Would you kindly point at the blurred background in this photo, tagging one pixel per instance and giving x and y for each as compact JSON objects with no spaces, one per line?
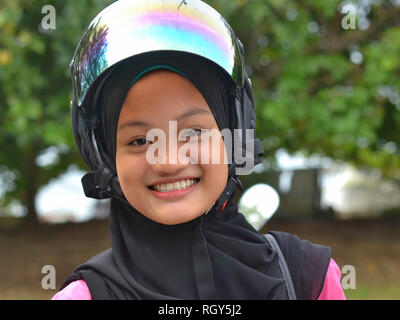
{"x":326,"y":79}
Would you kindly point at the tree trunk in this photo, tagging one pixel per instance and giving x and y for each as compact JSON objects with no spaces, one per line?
{"x":32,"y":175}
{"x":31,"y":217}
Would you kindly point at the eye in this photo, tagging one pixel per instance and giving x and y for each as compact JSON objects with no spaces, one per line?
{"x":139,"y":142}
{"x":187,"y":133}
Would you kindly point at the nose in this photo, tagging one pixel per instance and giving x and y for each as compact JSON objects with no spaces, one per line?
{"x":170,"y":161}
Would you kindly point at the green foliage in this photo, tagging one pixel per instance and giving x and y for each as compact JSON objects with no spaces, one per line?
{"x":35,"y":93}
{"x":319,"y":88}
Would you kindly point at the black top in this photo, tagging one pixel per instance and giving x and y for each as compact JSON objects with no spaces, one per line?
{"x":233,"y":261}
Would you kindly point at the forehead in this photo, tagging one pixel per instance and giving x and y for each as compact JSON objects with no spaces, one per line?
{"x":162,"y":93}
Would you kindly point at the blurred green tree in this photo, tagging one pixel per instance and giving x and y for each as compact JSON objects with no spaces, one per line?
{"x":36,"y":139}
{"x":322,"y":85}
{"x":319,"y":88}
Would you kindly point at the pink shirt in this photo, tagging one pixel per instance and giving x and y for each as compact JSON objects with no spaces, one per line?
{"x":332,"y":289}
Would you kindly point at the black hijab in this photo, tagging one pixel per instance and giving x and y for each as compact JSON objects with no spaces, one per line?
{"x":219,"y":255}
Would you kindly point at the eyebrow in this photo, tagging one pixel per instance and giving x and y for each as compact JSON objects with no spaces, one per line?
{"x":187,"y":114}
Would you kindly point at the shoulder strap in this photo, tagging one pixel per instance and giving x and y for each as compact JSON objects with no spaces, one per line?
{"x":307,"y":263}
{"x":283,"y":266}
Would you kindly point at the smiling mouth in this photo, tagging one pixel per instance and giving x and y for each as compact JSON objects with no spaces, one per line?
{"x":174,"y":186}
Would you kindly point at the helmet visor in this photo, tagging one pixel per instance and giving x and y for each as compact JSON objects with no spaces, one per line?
{"x":131,"y":27}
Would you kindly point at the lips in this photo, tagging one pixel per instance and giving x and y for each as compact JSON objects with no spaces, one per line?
{"x":174,"y":190}
{"x":177,"y":185}
{"x":174,"y":186}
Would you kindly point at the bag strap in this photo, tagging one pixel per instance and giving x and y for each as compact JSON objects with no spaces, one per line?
{"x":283,"y":266}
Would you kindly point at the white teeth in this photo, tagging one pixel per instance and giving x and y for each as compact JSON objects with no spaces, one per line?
{"x":178,"y":185}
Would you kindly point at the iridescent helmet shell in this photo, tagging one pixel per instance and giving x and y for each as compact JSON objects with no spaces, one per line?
{"x":131,"y":27}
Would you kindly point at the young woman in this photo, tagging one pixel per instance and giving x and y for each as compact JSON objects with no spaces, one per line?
{"x":151,"y":81}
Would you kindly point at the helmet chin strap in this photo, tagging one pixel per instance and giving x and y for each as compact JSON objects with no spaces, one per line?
{"x":233,"y":183}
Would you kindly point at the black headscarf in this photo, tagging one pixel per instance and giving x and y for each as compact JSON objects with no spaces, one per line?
{"x":215,"y":256}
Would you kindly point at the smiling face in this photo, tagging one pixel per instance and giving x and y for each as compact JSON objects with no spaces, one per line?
{"x":173,"y":191}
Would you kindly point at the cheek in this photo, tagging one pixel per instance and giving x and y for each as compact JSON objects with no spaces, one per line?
{"x":215,"y":168}
{"x":214,"y":181}
{"x":212,"y":150}
{"x":216,"y":172}
{"x":130,"y":171}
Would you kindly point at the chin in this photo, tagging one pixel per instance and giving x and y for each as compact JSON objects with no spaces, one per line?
{"x":172,"y":218}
